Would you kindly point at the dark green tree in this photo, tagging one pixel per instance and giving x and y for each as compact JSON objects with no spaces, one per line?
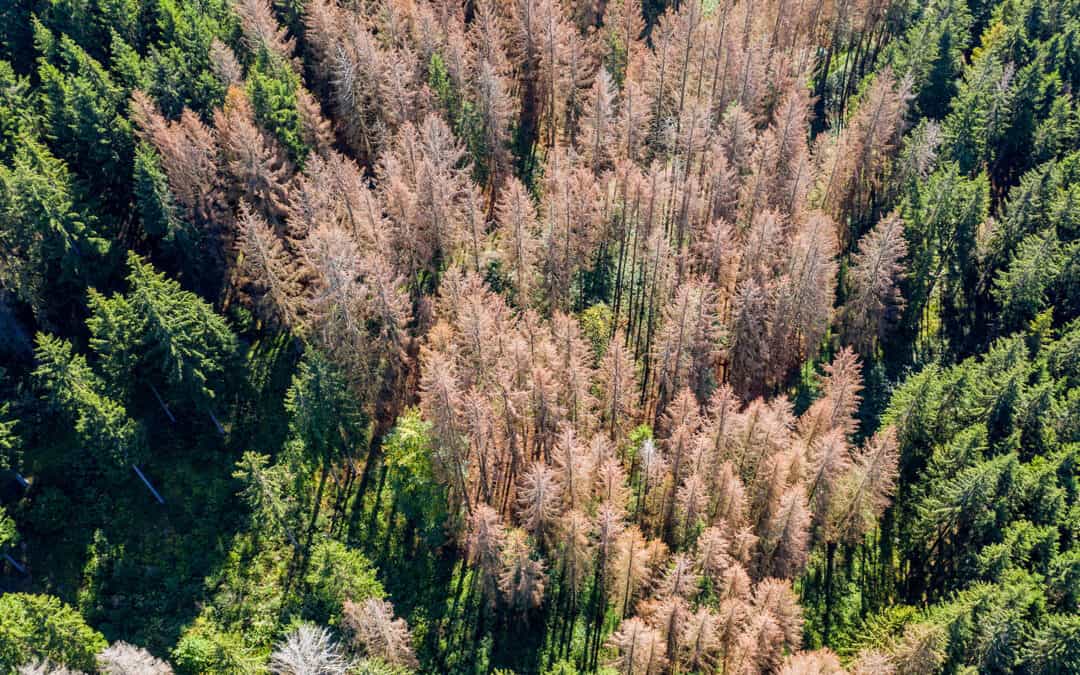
{"x":48,"y":247}
{"x":182,"y":342}
{"x":83,"y":113}
{"x":101,"y":424}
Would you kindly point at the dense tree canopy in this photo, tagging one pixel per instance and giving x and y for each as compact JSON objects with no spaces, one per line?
{"x":543,"y":336}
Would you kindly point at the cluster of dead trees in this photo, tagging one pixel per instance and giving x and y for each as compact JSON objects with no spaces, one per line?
{"x":530,"y":146}
{"x":120,"y":658}
{"x":681,"y":173}
{"x":383,"y":641}
{"x":693,"y":537}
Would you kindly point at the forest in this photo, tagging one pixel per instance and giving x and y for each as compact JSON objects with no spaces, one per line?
{"x":628,"y":337}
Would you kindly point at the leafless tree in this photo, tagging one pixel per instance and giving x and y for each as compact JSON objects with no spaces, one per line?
{"x":122,"y":658}
{"x":874,"y":300}
{"x":820,"y":662}
{"x":45,"y":667}
{"x":189,"y":157}
{"x":261,"y":29}
{"x":380,"y":634}
{"x":308,"y":650}
{"x":487,"y":537}
{"x":269,"y":273}
{"x":538,"y":499}
{"x":522,"y":580}
{"x":640,"y":649}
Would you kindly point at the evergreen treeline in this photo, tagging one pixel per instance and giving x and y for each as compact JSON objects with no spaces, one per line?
{"x":546,"y":336}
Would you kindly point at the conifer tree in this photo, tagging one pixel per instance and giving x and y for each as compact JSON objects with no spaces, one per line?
{"x":538,"y":502}
{"x":874,"y":300}
{"x":307,"y":650}
{"x":486,"y":540}
{"x":518,"y":242}
{"x":255,"y":165}
{"x":616,"y":379}
{"x":122,"y":658}
{"x":522,"y":579}
{"x":49,"y":245}
{"x":267,"y":270}
{"x":186,"y":343}
{"x":101,"y":424}
{"x":375,"y":628}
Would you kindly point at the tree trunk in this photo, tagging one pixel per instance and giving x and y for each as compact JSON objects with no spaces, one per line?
{"x":830,"y":556}
{"x":314,"y":516}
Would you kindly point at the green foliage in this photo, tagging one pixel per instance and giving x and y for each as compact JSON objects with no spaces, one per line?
{"x":372,"y":666}
{"x":597,"y":323}
{"x":931,"y":53}
{"x":256,"y":598}
{"x":970,"y":130}
{"x":1023,"y":64}
{"x":639,"y":435}
{"x":878,"y":629}
{"x":462,"y":115}
{"x":1033,"y":253}
{"x":277,"y":573}
{"x":90,"y":23}
{"x":152,"y":197}
{"x":182,"y":242}
{"x":127,"y":66}
{"x":1021,"y":290}
{"x":42,"y":627}
{"x":17,"y":119}
{"x":439,"y":81}
{"x":990,"y":491}
{"x":10,"y":444}
{"x":271,"y":87}
{"x":1064,"y":579}
{"x":324,"y":417}
{"x":1058,"y":133}
{"x":178,"y":64}
{"x":337,"y":574}
{"x":264,"y":491}
{"x":275,"y":520}
{"x":965,"y":502}
{"x":102,"y":426}
{"x":49,"y":246}
{"x":1055,"y":646}
{"x":205,"y":649}
{"x":1023,"y":545}
{"x":179,"y":336}
{"x":562,"y":668}
{"x":8,"y":535}
{"x":113,"y":328}
{"x":83,"y":119}
{"x":942,"y":215}
{"x":984,"y":624}
{"x":418,"y":495}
